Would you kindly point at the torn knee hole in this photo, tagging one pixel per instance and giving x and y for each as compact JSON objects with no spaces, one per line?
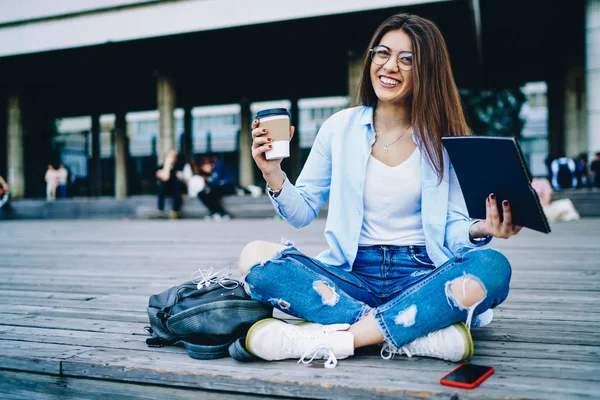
{"x":466,"y":291}
{"x":284,"y":305}
{"x":328,"y":294}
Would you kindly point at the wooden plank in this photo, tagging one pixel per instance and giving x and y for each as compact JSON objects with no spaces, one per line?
{"x":86,"y":289}
{"x":352,"y":379}
{"x":20,"y":385}
{"x":75,"y":324}
{"x":35,"y":357}
{"x":79,"y":338}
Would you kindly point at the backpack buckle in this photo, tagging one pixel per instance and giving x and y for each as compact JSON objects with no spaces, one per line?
{"x":163,"y":316}
{"x":156,"y":342}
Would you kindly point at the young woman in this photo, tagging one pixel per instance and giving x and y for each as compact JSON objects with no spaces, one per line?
{"x":219,"y":183}
{"x":399,"y":269}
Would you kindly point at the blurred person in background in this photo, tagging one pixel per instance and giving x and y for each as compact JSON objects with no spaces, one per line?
{"x":558,"y":210}
{"x":594,"y":172}
{"x":51,"y":179}
{"x":219,"y":183}
{"x":582,"y":171}
{"x":5,"y":207}
{"x":169,"y":184}
{"x":193,"y":178}
{"x":563,"y":173}
{"x":399,"y":270}
{"x":62,"y":177}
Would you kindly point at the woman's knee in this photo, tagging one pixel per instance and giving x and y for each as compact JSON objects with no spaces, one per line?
{"x":488,"y":273}
{"x":498,"y":264}
{"x":492,"y":270}
{"x":256,"y":252}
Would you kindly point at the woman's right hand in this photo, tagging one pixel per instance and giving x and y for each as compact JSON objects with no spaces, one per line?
{"x":262,"y":144}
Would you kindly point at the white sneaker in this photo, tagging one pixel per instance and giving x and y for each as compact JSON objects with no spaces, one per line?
{"x":273,"y":339}
{"x":453,"y":343}
{"x":483,"y":319}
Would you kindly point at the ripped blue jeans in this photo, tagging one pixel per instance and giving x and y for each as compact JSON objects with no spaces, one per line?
{"x":408,"y":296}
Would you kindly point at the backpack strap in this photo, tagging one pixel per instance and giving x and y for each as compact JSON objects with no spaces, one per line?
{"x":238,"y":351}
{"x":206,"y":352}
{"x":198,"y":351}
{"x":160,"y":342}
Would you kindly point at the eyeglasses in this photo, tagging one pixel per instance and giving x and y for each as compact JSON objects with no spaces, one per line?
{"x":381,"y":54}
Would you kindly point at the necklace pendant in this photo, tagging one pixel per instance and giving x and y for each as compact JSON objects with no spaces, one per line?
{"x":385,"y":149}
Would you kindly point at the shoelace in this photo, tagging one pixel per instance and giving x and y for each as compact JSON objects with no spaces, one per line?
{"x":208,"y":277}
{"x":319,"y":352}
{"x":322,"y":351}
{"x":387,"y":352}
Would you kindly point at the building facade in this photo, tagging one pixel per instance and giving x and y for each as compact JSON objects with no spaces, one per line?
{"x":107,"y":86}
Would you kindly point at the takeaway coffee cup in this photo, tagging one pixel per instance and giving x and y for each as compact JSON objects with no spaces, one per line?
{"x":277,"y":123}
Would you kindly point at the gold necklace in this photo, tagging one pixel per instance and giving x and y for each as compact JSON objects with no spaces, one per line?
{"x":385,"y":146}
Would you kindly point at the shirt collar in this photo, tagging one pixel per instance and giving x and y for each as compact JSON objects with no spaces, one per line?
{"x":366,"y":117}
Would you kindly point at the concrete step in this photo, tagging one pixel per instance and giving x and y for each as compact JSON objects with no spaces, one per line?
{"x":134,"y":207}
{"x":586,"y":201}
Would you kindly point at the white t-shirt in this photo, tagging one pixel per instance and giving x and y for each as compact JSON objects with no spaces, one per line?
{"x":196,"y":184}
{"x":392,"y":203}
{"x":62,"y":175}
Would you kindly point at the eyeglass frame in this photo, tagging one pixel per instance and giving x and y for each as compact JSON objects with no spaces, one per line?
{"x":372,"y":51}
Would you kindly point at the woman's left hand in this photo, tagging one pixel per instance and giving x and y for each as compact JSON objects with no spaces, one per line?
{"x":492,"y":226}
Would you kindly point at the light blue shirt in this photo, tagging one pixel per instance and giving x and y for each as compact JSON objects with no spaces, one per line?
{"x":336,"y":169}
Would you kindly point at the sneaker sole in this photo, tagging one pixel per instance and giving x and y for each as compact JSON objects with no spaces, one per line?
{"x":301,"y":323}
{"x":466,"y":334}
{"x":253,"y":328}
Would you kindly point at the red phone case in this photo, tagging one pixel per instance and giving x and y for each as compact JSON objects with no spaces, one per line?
{"x":465,"y":385}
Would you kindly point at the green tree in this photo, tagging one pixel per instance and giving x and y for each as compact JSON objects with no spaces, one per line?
{"x":494,"y":112}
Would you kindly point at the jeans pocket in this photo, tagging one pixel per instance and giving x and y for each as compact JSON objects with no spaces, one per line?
{"x":421,"y":259}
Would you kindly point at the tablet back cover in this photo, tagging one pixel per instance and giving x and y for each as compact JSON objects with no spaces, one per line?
{"x":496,"y":165}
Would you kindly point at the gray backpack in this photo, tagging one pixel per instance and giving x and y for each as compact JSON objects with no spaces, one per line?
{"x":209,"y":320}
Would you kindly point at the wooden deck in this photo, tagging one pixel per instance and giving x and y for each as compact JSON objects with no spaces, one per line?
{"x":74,"y":293}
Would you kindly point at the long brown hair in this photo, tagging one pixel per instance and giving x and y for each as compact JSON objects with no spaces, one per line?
{"x":436,"y":108}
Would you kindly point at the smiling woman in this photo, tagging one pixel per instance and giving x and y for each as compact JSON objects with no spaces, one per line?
{"x":399,"y":270}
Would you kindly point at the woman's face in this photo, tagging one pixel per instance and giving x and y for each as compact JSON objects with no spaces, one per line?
{"x":206,"y":168}
{"x":390,"y":83}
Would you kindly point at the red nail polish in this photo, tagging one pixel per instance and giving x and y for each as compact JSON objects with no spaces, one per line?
{"x":493,"y":196}
{"x":264,"y":130}
{"x":269,"y":139}
{"x":270,"y":146}
{"x":505,"y":202}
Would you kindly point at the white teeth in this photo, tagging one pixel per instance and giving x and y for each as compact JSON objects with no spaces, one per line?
{"x":389,"y":81}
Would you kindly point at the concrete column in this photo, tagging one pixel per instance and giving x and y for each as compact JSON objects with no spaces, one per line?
{"x":96,"y":164}
{"x":556,"y":115}
{"x":246,"y":163}
{"x":121,"y":152}
{"x":188,"y":137}
{"x":14,"y":127}
{"x":354,"y":74}
{"x":295,"y":155}
{"x":575,"y":114}
{"x":166,"y":107}
{"x":592,"y":74}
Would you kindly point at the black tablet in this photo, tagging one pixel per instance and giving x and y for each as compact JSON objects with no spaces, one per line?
{"x":496,"y":165}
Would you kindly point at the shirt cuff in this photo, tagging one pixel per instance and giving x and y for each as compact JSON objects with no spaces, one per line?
{"x":478,"y":241}
{"x":286,"y":196}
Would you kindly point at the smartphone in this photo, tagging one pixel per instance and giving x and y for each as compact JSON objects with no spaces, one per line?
{"x":467,"y":376}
